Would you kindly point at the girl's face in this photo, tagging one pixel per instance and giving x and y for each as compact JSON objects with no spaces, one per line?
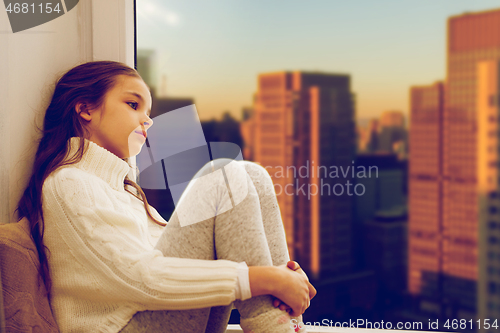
{"x":120,"y":125}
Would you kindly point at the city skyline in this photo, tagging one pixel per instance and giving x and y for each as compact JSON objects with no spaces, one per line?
{"x":444,"y":228}
{"x":214,"y":52}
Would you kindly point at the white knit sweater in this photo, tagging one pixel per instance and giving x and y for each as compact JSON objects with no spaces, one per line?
{"x":102,"y":259}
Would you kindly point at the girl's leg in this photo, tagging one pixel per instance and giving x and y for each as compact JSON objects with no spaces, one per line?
{"x":274,"y":232}
{"x":257,"y":313}
{"x":235,"y":233}
{"x":271,"y":216}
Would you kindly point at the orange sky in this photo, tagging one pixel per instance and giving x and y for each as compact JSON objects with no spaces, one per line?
{"x":213,"y":51}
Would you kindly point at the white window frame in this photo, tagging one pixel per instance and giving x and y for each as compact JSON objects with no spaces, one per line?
{"x":108,"y":30}
{"x":108,"y":33}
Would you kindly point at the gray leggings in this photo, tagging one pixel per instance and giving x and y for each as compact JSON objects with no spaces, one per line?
{"x":251,"y":231}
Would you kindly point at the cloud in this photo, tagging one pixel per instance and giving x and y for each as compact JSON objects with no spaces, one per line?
{"x":152,"y":11}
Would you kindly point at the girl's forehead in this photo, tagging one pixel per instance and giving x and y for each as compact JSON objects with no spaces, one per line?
{"x":127,"y":82}
{"x":132,"y":85}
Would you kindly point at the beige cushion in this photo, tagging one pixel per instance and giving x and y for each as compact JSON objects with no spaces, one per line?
{"x":26,"y":306}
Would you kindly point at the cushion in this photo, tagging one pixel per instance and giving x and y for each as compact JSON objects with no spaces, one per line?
{"x":26,"y":306}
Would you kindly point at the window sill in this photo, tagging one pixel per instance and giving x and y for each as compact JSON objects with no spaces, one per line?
{"x":325,"y":329}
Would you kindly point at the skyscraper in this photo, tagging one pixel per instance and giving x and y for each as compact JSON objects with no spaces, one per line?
{"x":448,"y":174}
{"x":146,"y":66}
{"x":392,"y":119}
{"x":371,"y":137}
{"x":425,"y":187}
{"x":247,"y":129}
{"x":392,"y":131}
{"x":304,"y":121}
{"x":488,"y":115}
{"x":472,"y":38}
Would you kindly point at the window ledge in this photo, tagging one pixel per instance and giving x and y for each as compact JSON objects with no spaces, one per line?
{"x":325,"y":329}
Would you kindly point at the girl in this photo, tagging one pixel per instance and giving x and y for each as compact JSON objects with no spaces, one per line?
{"x":111,"y":263}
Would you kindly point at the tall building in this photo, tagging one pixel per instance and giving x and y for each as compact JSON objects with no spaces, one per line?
{"x":368,"y":136}
{"x":384,"y":191}
{"x":385,"y":241}
{"x":146,"y":66}
{"x":451,"y":205}
{"x":387,"y":134}
{"x":392,"y":119}
{"x":488,"y":146}
{"x":392,"y":131}
{"x":247,"y":128}
{"x":304,"y":126}
{"x":425,"y":253}
{"x":472,"y":38}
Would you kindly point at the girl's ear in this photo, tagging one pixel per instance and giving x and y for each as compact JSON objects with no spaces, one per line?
{"x":83,"y":111}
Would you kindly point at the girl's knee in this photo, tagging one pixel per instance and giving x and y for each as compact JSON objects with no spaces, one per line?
{"x":260,"y":177}
{"x":230,"y":174}
{"x":212,"y":166}
{"x":257,"y":171}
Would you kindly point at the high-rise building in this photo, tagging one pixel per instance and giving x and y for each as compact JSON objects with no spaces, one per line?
{"x":247,"y":128}
{"x":387,"y":134}
{"x":368,"y":136}
{"x":452,"y":162}
{"x":425,"y":252}
{"x":304,"y":126}
{"x":392,"y":131}
{"x":146,"y":66}
{"x":392,"y":119}
{"x":385,"y":241}
{"x":488,"y":146}
{"x":472,"y":38}
{"x":384,"y":191}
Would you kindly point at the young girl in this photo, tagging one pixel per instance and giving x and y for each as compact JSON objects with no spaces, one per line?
{"x":111,"y":263}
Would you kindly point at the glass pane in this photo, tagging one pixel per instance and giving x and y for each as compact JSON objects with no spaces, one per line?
{"x":377,"y":123}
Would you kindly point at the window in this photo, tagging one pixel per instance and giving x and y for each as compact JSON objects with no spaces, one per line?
{"x":230,"y":55}
{"x":492,"y":100}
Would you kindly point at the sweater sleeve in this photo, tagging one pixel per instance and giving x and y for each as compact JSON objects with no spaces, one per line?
{"x":102,"y":236}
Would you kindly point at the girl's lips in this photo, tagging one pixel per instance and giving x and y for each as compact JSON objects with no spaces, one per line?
{"x":142,"y":133}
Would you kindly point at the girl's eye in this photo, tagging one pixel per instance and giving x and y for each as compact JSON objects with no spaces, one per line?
{"x":133,"y":105}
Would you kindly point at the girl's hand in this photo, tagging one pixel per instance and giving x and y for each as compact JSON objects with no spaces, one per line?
{"x":312,"y":291}
{"x":283,"y":307}
{"x":296,"y":267}
{"x":292,"y":288}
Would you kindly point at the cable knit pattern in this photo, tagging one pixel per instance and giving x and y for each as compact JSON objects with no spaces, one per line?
{"x":102,"y":258}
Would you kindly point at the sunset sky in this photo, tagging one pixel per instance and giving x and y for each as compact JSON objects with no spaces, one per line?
{"x":213,"y":51}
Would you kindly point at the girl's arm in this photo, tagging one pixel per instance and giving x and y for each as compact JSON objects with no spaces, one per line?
{"x":97,"y":255}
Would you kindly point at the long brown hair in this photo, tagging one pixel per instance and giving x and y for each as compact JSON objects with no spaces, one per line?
{"x":87,"y":83}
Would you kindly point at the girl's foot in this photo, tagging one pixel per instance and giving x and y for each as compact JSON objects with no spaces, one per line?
{"x":273,"y":321}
